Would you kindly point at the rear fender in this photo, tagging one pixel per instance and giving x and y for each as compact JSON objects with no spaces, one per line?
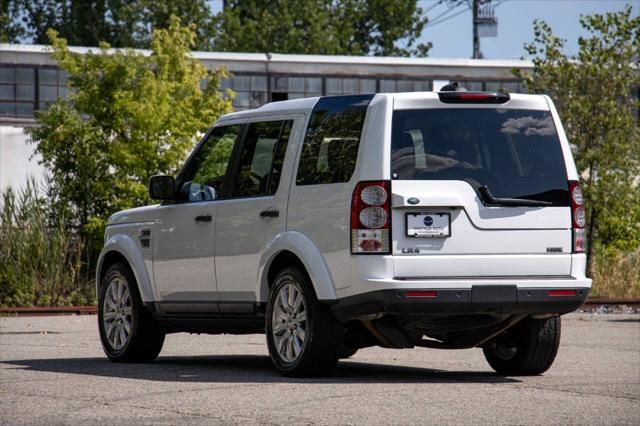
{"x":308,"y":254}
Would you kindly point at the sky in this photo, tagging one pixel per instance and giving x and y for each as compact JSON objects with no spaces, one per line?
{"x":453,"y":38}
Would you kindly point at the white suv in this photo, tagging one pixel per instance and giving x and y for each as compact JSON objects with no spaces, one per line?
{"x":443,"y":220}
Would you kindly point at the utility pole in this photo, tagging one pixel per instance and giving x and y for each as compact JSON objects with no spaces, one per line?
{"x":476,"y":38}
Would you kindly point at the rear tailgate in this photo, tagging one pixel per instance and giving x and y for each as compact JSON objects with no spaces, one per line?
{"x":484,"y":241}
{"x":443,"y":225}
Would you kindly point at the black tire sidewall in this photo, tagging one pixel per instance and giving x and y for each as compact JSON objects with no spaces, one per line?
{"x":123,"y":272}
{"x":290,"y":276}
{"x":538,"y":342}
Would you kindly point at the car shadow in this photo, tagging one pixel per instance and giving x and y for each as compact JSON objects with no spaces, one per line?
{"x":249,"y":369}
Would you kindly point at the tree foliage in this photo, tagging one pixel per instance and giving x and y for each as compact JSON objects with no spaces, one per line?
{"x":129,"y":117}
{"x":345,"y":27}
{"x":596,"y":95}
{"x":10,"y":27}
{"x":121,"y":23}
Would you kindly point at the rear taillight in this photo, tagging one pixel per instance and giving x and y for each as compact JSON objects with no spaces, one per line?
{"x":371,"y":218}
{"x":578,"y":217}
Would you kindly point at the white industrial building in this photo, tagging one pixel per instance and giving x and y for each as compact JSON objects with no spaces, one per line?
{"x":30,"y":79}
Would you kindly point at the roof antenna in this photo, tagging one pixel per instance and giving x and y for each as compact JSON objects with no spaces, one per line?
{"x":453,"y":87}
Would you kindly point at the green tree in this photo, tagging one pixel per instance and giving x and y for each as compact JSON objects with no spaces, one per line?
{"x":121,"y":23}
{"x":345,"y":27}
{"x":594,"y":93}
{"x":10,"y":28}
{"x":129,"y":117}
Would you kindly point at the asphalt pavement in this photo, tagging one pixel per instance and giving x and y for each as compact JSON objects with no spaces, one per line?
{"x":53,"y":371}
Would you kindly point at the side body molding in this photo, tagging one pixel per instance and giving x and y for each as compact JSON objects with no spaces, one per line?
{"x":127,"y":247}
{"x":312,"y":259}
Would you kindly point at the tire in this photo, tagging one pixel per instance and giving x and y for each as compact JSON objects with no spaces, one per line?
{"x":309,"y":347}
{"x":527,"y":349}
{"x":119,"y":301}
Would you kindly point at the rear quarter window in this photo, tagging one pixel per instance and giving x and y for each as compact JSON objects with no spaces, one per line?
{"x":330,"y":148}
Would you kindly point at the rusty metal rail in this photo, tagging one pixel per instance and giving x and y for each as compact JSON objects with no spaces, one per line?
{"x":599,"y":301}
{"x":50,"y":310}
{"x":92,"y":310}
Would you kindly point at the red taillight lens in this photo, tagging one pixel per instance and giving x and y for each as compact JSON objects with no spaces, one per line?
{"x":421,"y":294}
{"x":560,"y":293}
{"x":371,"y":217}
{"x":578,"y":217}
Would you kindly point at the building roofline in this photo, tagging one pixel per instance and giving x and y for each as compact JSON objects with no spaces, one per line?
{"x":308,"y":59}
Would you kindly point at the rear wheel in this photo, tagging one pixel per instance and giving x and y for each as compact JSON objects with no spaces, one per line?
{"x":127,"y":330}
{"x":529,"y":348}
{"x":303,"y":336}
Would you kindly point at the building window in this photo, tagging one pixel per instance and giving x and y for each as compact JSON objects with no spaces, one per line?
{"x":251,"y":90}
{"x":285,"y":87}
{"x":350,"y":86}
{"x":402,"y":85}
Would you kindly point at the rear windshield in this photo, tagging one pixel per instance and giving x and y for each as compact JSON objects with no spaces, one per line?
{"x":515,"y":153}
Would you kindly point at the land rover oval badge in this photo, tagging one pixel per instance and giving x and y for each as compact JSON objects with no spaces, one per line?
{"x":413,"y":200}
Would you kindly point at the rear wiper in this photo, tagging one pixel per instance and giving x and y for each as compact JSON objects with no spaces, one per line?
{"x":488,"y":198}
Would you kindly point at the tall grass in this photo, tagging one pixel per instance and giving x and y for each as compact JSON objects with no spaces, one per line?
{"x":615,"y":273}
{"x":40,"y":259}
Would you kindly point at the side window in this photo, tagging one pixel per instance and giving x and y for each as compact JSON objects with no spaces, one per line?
{"x":330,"y":148}
{"x":203,"y":179}
{"x":261,"y":159}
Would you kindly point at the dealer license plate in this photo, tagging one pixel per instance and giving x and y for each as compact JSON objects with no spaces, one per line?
{"x":428,"y":225}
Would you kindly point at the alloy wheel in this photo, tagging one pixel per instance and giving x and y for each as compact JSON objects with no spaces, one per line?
{"x":117,"y":317}
{"x":289,"y":322}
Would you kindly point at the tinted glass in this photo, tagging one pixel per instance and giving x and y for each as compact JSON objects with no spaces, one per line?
{"x":330,"y":148}
{"x":203,"y":178}
{"x":261,"y":158}
{"x":516,"y":153}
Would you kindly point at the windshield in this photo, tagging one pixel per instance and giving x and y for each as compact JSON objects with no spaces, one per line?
{"x":515,"y":153}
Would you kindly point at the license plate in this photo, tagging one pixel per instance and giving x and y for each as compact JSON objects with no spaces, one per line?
{"x":428,"y":225}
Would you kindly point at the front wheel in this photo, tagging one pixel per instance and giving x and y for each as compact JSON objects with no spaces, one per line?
{"x":127,"y":330}
{"x":527,"y":349}
{"x":303,"y":336}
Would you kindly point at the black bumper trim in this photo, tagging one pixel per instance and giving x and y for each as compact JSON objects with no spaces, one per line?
{"x":480,"y":299}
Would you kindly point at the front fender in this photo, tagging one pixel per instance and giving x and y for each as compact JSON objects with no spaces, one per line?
{"x":310,"y":256}
{"x":127,"y":247}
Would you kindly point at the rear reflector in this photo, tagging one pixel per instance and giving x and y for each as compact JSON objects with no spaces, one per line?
{"x":473,"y":97}
{"x":555,"y":293}
{"x":421,"y":294}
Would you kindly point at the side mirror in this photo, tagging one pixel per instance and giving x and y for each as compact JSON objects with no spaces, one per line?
{"x":162,"y":187}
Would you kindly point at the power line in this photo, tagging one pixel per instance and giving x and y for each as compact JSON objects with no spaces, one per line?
{"x":443,"y":16}
{"x":431,"y":24}
{"x":435,"y":20}
{"x":433,"y":6}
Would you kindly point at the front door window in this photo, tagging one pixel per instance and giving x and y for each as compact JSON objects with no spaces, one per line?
{"x":204,"y":177}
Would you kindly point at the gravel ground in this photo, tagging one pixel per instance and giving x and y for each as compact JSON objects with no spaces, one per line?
{"x":53,"y":371}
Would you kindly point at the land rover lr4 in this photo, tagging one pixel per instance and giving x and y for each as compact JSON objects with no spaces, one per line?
{"x":437,"y":219}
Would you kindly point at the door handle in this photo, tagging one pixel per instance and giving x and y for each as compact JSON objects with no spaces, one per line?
{"x":269,"y":213}
{"x":205,"y":217}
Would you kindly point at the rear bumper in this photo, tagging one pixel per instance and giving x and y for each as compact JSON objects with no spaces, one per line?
{"x":501,"y":299}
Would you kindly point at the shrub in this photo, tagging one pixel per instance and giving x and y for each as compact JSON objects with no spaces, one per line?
{"x":40,"y":259}
{"x":615,"y":273}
